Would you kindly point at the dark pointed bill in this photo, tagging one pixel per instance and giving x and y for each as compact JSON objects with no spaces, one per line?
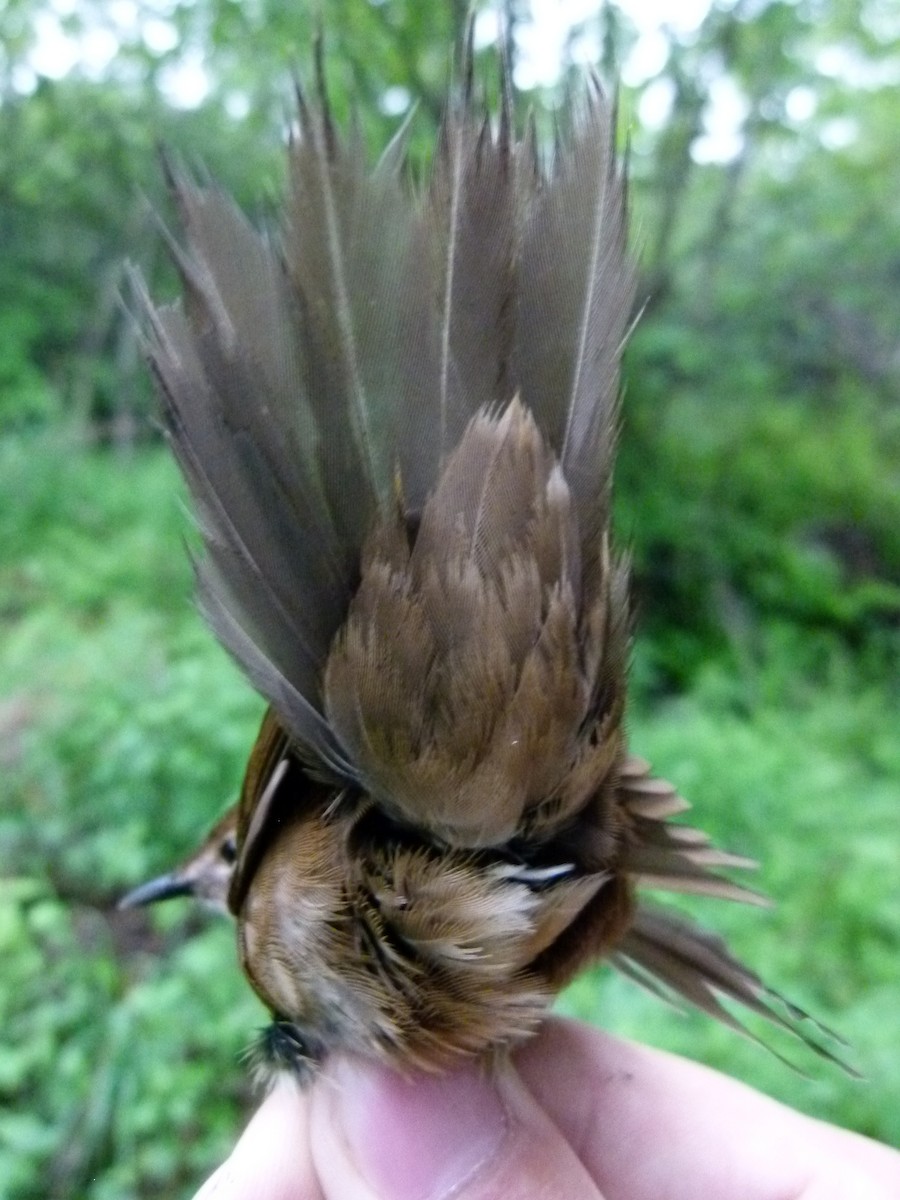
{"x":164,"y":887}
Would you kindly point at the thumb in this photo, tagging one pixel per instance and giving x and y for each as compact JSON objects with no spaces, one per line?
{"x":474,"y":1133}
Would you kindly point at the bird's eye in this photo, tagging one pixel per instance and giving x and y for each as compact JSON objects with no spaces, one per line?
{"x":229,"y":850}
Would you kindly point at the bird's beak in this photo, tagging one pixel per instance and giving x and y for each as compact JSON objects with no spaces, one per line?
{"x":164,"y":887}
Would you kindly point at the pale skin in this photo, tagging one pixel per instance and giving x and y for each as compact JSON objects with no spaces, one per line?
{"x":576,"y":1114}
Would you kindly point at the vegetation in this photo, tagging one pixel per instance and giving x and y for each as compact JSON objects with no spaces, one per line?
{"x":758,"y":487}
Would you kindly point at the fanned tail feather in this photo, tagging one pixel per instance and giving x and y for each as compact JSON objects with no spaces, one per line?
{"x":312,"y":385}
{"x":678,"y":962}
{"x":471,"y":218}
{"x":575,"y":299}
{"x":357,"y":260}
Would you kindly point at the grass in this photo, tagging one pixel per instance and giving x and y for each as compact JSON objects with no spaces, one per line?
{"x":123,"y":733}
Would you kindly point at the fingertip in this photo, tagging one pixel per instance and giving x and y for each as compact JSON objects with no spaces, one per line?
{"x":272,"y":1158}
{"x":644,"y":1122}
{"x":473,"y":1133}
{"x":380,"y":1132}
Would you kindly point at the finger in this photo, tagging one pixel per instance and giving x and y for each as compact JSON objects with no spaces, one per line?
{"x":646,"y":1124}
{"x":272,"y":1159}
{"x":473,"y":1133}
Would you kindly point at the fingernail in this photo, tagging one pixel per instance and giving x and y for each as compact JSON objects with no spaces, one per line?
{"x":420,"y":1138}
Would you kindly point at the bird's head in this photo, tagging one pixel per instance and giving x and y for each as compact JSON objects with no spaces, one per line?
{"x":205,"y":875}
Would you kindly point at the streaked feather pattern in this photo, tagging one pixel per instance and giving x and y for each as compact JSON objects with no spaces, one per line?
{"x":398,"y":420}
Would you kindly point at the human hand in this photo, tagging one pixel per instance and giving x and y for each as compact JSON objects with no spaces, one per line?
{"x":577,"y":1115}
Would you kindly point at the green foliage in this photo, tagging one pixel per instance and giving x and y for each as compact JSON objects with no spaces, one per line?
{"x":122,"y":734}
{"x":780,"y":515}
{"x":757,"y":488}
{"x":81,"y":179}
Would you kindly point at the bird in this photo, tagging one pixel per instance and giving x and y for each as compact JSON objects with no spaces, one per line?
{"x":397,"y":416}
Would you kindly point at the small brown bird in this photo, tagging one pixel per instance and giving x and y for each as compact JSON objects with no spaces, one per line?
{"x":397,"y":420}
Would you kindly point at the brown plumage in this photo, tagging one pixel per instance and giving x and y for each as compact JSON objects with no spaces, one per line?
{"x":397,"y":421}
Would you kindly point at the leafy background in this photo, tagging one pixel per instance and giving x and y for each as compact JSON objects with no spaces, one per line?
{"x":758,"y":486}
